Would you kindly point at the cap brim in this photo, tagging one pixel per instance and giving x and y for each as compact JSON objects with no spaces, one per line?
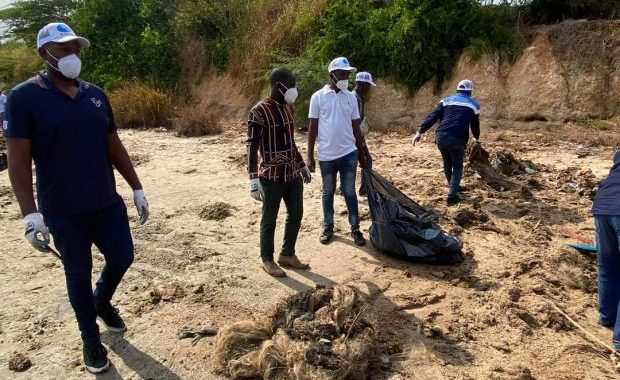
{"x":367,"y":81}
{"x":349,"y":69}
{"x":84,"y":43}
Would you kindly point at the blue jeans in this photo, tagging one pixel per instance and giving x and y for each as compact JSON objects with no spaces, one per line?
{"x":74,"y":235}
{"x":453,"y":156}
{"x":347,"y":166}
{"x":608,"y":249}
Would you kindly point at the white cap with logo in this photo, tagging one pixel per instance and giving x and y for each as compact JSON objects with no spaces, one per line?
{"x":465,"y":85}
{"x":364,"y":76}
{"x":340,"y":63}
{"x":59,"y":33}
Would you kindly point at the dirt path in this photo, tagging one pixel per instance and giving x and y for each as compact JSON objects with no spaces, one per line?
{"x":489,"y":318}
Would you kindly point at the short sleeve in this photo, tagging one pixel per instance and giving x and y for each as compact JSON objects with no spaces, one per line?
{"x":315,"y":109}
{"x":355,"y":114}
{"x":112,"y":126}
{"x":19,"y":116}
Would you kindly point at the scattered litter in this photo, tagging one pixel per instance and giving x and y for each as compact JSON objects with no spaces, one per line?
{"x":504,"y":161}
{"x":196,"y":335}
{"x":480,"y":161}
{"x":580,"y":181}
{"x":572,"y":233}
{"x":583,"y":248}
{"x":316,"y":334}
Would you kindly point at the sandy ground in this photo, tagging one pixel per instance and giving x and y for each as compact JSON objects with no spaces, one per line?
{"x":492,"y":318}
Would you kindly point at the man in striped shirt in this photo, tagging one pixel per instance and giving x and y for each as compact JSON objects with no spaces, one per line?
{"x":278,"y":174}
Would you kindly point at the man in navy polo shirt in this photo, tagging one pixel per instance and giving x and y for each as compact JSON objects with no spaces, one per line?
{"x":66,"y":126}
{"x":456,"y":114}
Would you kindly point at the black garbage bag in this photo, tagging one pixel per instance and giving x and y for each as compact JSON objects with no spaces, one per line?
{"x":404,"y":229}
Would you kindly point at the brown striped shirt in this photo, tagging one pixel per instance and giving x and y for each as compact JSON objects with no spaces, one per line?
{"x":271,"y":136}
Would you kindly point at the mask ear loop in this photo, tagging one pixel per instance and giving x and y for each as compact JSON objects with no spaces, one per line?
{"x":57,"y":60}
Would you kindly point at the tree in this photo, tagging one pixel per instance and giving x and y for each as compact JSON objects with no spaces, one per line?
{"x":25,"y":18}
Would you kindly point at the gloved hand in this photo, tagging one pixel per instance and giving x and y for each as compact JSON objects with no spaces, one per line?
{"x":256,"y":189}
{"x":139,"y":199}
{"x":36,"y":232}
{"x":416,"y":138}
{"x":305,"y":174}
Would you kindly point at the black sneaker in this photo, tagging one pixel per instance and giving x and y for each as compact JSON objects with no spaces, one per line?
{"x":452,"y":200}
{"x":108,"y":315}
{"x":327,"y":235}
{"x":95,"y":357}
{"x":358,"y":238}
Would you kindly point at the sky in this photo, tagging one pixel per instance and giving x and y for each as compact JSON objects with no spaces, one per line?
{"x":3,"y":4}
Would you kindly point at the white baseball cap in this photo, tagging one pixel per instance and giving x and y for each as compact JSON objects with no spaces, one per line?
{"x":465,"y":85}
{"x":59,"y":32}
{"x":364,"y":76}
{"x":340,"y":63}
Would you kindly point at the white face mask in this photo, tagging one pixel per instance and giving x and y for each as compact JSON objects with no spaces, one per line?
{"x":69,"y":66}
{"x":341,"y":84}
{"x":290,"y":95}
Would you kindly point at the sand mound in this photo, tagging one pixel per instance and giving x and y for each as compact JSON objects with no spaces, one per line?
{"x":216,"y":211}
{"x":317,"y":334}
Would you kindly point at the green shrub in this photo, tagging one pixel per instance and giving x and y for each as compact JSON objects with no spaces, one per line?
{"x":410,"y":41}
{"x":310,"y":74}
{"x":136,"y":105}
{"x":18,"y":62}
{"x":596,"y":123}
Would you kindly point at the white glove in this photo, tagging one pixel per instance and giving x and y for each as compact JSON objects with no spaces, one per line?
{"x":305,"y":174}
{"x":139,"y":199}
{"x":36,"y":232}
{"x":416,"y":138}
{"x":256,"y":189}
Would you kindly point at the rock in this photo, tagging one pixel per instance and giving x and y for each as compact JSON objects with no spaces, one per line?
{"x":564,"y":74}
{"x":19,"y":363}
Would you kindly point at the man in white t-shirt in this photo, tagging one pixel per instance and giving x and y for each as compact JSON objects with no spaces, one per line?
{"x":2,"y":107}
{"x":335,"y":125}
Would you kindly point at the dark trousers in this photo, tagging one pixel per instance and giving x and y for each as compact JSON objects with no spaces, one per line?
{"x":453,"y":156}
{"x":74,"y":235}
{"x":608,"y":254}
{"x":293,"y":195}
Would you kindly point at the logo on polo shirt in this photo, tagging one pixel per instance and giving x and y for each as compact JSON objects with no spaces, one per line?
{"x":96,"y":102}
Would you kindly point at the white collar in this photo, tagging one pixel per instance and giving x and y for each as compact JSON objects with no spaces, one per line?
{"x":327,"y":89}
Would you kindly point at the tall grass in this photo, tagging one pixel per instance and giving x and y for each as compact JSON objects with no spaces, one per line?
{"x":136,"y":105}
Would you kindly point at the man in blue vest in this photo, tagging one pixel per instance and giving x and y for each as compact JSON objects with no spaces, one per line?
{"x":457,"y":114}
{"x":606,"y":210}
{"x":66,"y":126}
